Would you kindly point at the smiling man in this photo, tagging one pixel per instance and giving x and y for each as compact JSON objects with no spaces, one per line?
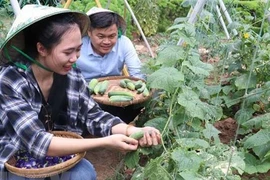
{"x":105,"y":50}
{"x":104,"y":53}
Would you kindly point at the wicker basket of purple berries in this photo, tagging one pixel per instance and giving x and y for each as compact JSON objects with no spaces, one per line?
{"x":23,"y":164}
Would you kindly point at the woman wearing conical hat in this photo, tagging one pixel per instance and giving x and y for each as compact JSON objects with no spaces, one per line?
{"x":42,"y":91}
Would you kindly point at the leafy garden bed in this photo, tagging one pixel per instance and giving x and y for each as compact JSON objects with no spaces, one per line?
{"x":194,"y":96}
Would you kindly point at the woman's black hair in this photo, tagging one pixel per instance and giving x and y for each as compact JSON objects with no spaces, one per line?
{"x":48,"y":32}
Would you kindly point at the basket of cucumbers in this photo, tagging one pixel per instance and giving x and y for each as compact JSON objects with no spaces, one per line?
{"x":119,"y":90}
{"x":23,"y":164}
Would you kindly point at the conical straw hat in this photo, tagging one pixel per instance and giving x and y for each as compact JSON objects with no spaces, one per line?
{"x":27,"y":16}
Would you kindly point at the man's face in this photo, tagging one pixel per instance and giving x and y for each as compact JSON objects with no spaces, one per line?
{"x":103,"y":39}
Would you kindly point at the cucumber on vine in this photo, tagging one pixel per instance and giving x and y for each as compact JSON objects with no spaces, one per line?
{"x":137,"y":135}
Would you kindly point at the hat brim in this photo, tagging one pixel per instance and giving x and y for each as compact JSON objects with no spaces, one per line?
{"x":17,"y":38}
{"x":96,"y":10}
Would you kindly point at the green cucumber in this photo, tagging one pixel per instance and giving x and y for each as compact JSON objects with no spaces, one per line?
{"x":120,"y":93}
{"x":130,"y":86}
{"x":137,"y":135}
{"x":138,"y":84}
{"x":145,"y":92}
{"x":92,"y":85}
{"x":103,"y":87}
{"x":141,"y":89}
{"x":123,"y":83}
{"x":119,"y":98}
{"x":127,"y":80}
{"x":97,"y":87}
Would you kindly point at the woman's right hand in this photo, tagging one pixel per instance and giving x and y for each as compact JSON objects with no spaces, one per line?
{"x":121,"y":142}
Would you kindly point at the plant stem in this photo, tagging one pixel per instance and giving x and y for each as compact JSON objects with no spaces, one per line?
{"x":170,"y":116}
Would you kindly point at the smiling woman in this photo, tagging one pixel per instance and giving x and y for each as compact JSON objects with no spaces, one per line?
{"x":41,"y":92}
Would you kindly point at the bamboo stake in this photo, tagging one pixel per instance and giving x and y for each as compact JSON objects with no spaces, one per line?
{"x":139,"y":27}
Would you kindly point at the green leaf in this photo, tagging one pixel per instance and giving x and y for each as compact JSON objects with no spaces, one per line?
{"x":261,"y":151}
{"x":254,"y":166}
{"x":227,"y":89}
{"x":154,"y":170}
{"x":158,"y":123}
{"x":243,"y":82}
{"x":192,"y":143}
{"x":166,"y":78}
{"x":186,"y":160}
{"x":213,"y":89}
{"x":170,"y":55}
{"x":211,"y":132}
{"x":196,"y":108}
{"x":131,"y":159}
{"x":262,"y":121}
{"x":230,"y":101}
{"x":260,"y":138}
{"x":195,"y":60}
{"x":244,"y":114}
{"x":191,"y":175}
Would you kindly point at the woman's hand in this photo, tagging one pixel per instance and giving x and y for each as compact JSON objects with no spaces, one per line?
{"x":121,"y":142}
{"x":151,"y":135}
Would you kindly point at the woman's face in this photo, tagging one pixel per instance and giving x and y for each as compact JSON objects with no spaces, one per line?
{"x":103,"y":39}
{"x":62,"y":56}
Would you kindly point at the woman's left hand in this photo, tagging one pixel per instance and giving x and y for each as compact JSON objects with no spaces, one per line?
{"x":151,"y":136}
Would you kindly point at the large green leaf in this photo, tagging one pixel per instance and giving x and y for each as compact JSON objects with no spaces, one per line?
{"x":244,"y":114}
{"x":243,"y":82}
{"x":197,"y":66}
{"x":254,"y":166}
{"x":170,"y":55}
{"x":196,"y":108}
{"x":186,"y":160}
{"x":261,"y":138}
{"x":132,"y":159}
{"x":158,"y":123}
{"x":166,"y":78}
{"x":262,"y":121}
{"x":262,"y":151}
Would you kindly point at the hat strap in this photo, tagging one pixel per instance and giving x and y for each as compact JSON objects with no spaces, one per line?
{"x":29,"y":58}
{"x":19,"y":65}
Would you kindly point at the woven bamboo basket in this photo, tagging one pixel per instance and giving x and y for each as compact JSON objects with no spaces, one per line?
{"x":114,"y":86}
{"x":47,"y":171}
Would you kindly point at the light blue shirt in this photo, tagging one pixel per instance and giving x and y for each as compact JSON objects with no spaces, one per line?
{"x":93,"y":65}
